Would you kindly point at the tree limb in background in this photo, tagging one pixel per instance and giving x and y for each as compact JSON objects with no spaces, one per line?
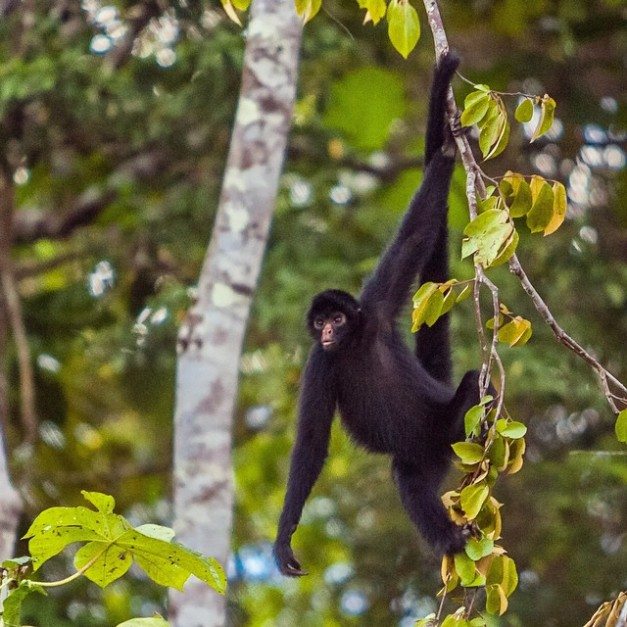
{"x":614,"y":390}
{"x":13,"y":307}
{"x":210,"y":339}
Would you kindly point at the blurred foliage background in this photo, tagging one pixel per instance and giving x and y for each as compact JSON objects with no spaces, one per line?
{"x":114,"y":126}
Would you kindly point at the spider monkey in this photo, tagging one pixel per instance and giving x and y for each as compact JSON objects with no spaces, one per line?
{"x":390,"y":400}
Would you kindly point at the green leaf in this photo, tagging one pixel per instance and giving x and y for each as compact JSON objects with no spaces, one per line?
{"x":10,"y":615}
{"x":421,"y":302}
{"x":475,"y":107}
{"x":241,"y":5}
{"x":511,"y":428}
{"x":522,"y":200}
{"x":102,"y":502}
{"x":156,"y":531}
{"x":468,"y":452}
{"x":541,"y":213}
{"x":476,"y":549}
{"x":465,"y":293}
{"x":403,"y":26}
{"x":621,"y":426}
{"x":560,"y":205}
{"x":472,"y":419}
{"x":465,"y":568}
{"x":524,"y":111}
{"x":449,"y":301}
{"x":434,"y":308}
{"x":111,"y":562}
{"x":547,"y":113}
{"x":472,"y":498}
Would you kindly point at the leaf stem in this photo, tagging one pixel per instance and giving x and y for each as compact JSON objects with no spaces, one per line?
{"x":81,"y":571}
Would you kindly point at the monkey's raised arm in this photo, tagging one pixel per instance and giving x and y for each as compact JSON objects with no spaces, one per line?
{"x":414,"y":243}
{"x":316,"y":406}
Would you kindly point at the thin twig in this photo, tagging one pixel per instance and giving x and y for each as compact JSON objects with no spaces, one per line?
{"x":13,"y":306}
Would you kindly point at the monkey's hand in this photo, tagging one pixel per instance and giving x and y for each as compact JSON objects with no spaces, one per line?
{"x":285,"y":560}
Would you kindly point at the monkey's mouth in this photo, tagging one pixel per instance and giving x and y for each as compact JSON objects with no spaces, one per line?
{"x":326,"y":344}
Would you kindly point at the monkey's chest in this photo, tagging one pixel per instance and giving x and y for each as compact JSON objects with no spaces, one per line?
{"x":376,"y":396}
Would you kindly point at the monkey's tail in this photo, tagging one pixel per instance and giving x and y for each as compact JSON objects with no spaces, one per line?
{"x":437,"y":104}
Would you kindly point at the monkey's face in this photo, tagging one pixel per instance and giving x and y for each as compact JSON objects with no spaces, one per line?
{"x":330,"y":329}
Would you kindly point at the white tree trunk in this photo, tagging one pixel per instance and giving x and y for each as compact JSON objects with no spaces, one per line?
{"x":10,"y":506}
{"x":210,"y":340}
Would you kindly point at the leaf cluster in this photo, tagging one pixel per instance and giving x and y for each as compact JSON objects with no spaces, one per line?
{"x":110,"y":545}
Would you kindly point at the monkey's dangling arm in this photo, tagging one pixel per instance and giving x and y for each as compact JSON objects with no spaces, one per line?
{"x":316,"y":407}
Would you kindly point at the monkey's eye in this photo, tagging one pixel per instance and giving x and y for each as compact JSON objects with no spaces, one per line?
{"x":318,"y":323}
{"x":339,"y":319}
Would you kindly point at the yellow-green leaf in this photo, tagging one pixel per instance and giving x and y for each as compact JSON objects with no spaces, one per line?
{"x":522,"y":200}
{"x":403,"y":26}
{"x":472,"y":498}
{"x":559,"y":209}
{"x":491,"y":127}
{"x":513,"y":332}
{"x":621,"y":426}
{"x":524,"y":111}
{"x":516,"y":453}
{"x":307,"y":9}
{"x":498,"y":454}
{"x":547,"y":113}
{"x":502,"y":140}
{"x":230,"y":11}
{"x":541,"y":213}
{"x":376,"y":10}
{"x":468,"y":452}
{"x":241,"y":5}
{"x":502,"y":572}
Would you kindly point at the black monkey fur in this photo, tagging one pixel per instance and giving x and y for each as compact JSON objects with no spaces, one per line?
{"x":390,"y":400}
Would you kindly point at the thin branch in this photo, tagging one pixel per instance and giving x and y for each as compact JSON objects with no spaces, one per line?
{"x":14,"y":314}
{"x":608,"y":381}
{"x":614,"y":390}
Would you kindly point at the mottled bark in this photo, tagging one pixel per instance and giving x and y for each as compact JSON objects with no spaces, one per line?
{"x":10,"y":505}
{"x":210,"y":340}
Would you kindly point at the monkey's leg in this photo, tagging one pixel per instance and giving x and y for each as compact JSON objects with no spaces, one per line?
{"x":418,"y":489}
